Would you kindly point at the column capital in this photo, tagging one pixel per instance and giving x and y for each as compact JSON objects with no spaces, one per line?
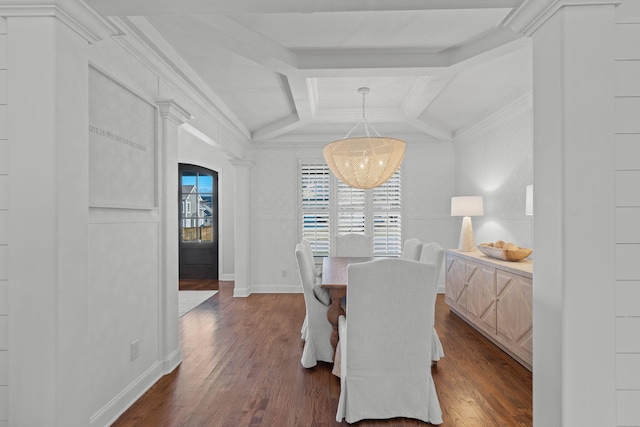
{"x":171,"y":110}
{"x":532,"y":14}
{"x":247,"y":163}
{"x":77,"y":15}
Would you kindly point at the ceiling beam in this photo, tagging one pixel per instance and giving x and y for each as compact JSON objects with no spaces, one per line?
{"x":280,"y":127}
{"x":324,"y":63}
{"x":301,"y":94}
{"x":422,"y":94}
{"x":491,"y":45}
{"x":432,"y":128}
{"x":198,"y":7}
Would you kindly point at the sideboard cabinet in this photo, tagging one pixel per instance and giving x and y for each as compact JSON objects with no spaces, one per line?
{"x":495,"y":297}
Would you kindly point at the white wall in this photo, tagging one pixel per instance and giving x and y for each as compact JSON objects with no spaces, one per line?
{"x":126,"y":286}
{"x":428,"y":177}
{"x":197,"y":151}
{"x":627,"y":170}
{"x":100,"y":280}
{"x":494,"y":159}
{"x":4,"y":232}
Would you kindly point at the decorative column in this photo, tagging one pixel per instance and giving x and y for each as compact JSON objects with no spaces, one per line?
{"x":242,"y":254}
{"x":173,"y":115}
{"x":574,"y":270}
{"x":47,"y":81}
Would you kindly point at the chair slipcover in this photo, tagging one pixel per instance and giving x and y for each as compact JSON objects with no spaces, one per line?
{"x":317,"y":346}
{"x":433,"y":253}
{"x":411,"y":249}
{"x":385,"y":342}
{"x":317,"y":271}
{"x":354,"y":245}
{"x":321,"y":294}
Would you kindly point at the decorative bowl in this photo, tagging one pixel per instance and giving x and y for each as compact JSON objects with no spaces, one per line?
{"x":511,"y":254}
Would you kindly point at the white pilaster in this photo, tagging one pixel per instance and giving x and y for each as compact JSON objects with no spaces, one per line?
{"x":574,"y":270}
{"x":173,"y":115}
{"x":242,"y":286}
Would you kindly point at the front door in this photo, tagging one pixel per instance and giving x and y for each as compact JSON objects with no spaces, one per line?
{"x":198,"y":213}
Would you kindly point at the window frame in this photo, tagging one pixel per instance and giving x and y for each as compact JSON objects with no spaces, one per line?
{"x":334,"y":210}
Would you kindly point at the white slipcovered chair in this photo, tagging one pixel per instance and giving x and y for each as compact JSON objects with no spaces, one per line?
{"x":434,"y":254}
{"x":385,"y":342}
{"x":317,"y":346}
{"x":320,"y":293}
{"x":411,"y":249}
{"x":354,"y":245}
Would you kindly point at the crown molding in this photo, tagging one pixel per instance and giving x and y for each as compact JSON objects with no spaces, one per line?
{"x":77,"y":15}
{"x":532,"y":14}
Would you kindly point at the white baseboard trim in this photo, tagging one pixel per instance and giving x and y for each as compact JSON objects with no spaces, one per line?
{"x":228,"y":277}
{"x":276,"y":289}
{"x":127,"y":397}
{"x":241,"y":292}
{"x":172,"y":361}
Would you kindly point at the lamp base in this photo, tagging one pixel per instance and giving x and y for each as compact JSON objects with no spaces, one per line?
{"x":466,"y":243}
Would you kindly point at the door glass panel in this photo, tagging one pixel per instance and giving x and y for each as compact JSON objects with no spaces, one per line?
{"x":197,"y":207}
{"x":205,"y":183}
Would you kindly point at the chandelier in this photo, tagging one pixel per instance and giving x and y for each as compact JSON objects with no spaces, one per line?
{"x":364,"y":162}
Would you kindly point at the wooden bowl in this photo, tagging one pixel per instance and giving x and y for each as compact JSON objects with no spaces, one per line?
{"x":516,"y":254}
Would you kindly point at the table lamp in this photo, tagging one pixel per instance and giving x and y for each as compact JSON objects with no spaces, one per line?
{"x":466,"y":206}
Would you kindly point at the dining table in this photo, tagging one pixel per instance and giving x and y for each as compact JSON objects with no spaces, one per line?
{"x":335,"y":279}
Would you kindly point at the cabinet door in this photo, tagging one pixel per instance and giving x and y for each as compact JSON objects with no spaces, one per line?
{"x":455,"y":288}
{"x":481,"y":296}
{"x":515,"y":313}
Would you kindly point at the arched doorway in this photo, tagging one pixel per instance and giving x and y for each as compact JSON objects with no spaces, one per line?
{"x":198,"y":222}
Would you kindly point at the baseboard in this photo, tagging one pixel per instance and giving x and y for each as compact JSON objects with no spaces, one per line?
{"x":276,"y":289}
{"x":172,"y":361}
{"x":228,"y":277}
{"x":116,"y":407}
{"x":241,"y":292}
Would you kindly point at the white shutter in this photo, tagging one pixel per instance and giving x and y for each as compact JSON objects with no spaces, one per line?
{"x":377,"y":212}
{"x":351,"y":209}
{"x":387,"y":217}
{"x":315,"y":203}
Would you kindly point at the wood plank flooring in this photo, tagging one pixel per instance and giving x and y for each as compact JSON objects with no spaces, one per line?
{"x":241,"y":367}
{"x":199,"y":285}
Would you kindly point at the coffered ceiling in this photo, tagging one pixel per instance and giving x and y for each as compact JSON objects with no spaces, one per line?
{"x":288,"y":70}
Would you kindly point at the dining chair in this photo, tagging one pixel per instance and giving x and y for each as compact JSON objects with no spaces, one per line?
{"x":385,"y":342}
{"x":320,"y":293}
{"x":317,"y":346}
{"x":411,"y":249}
{"x":354,"y":245}
{"x":434,"y":253}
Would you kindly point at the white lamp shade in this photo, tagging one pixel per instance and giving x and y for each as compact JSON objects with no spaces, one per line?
{"x":467,"y":206}
{"x":528,"y":207}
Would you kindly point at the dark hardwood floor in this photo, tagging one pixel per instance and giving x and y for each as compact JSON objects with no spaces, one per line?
{"x":241,"y":367}
{"x":199,"y":285}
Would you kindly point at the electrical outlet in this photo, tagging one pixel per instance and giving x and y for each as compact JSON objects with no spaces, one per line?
{"x":135,"y":350}
{"x":284,"y":273}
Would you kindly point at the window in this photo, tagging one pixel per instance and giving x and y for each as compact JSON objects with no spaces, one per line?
{"x":330,"y":207}
{"x":314,"y":190}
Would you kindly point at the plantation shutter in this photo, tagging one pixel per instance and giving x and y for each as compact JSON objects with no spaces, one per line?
{"x":351,"y":209}
{"x":315,"y":203}
{"x":387,"y":224}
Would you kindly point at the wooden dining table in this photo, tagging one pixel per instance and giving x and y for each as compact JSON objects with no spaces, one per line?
{"x":335,"y":278}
